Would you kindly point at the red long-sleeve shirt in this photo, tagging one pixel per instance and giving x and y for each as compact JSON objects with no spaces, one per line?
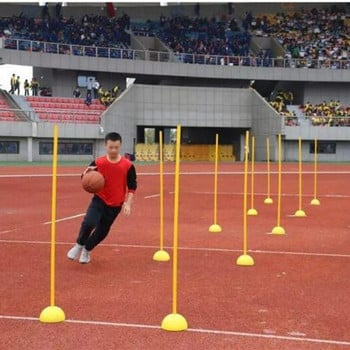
{"x":120,"y":178}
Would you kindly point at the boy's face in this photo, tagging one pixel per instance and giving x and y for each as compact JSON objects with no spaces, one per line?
{"x":113,"y":148}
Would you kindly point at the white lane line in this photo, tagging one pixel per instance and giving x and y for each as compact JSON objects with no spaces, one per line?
{"x":272,"y":194}
{"x":152,"y":196}
{"x":65,"y":218}
{"x":157,"y":195}
{"x":193,"y":330}
{"x":7,"y":231}
{"x":36,"y":175}
{"x":271,"y":336}
{"x":194,"y":173}
{"x":224,"y":250}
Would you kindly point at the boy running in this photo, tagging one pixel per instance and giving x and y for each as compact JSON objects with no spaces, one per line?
{"x":117,"y":195}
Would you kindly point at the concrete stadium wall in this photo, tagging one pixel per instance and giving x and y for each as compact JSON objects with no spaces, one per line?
{"x":30,"y":134}
{"x":135,"y":68}
{"x":266,"y":122}
{"x":63,"y":82}
{"x":316,"y":93}
{"x":291,"y":152}
{"x":147,"y":105}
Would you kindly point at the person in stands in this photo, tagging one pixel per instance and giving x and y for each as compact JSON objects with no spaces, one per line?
{"x":13,"y":84}
{"x":26,"y":86}
{"x":76,"y":92}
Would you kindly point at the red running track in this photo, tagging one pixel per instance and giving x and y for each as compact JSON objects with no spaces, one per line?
{"x":295,"y":297}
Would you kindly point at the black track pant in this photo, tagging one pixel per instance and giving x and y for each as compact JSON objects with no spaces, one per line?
{"x":97,"y":223}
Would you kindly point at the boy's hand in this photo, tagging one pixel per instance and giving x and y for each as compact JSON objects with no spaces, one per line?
{"x":89,"y":168}
{"x":127,"y":209}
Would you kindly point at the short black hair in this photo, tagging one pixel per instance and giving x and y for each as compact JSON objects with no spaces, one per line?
{"x":113,"y":136}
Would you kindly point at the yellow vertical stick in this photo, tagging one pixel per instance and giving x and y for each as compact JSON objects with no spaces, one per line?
{"x":52,"y":313}
{"x":279,"y":230}
{"x":161,"y":254}
{"x":300,"y":212}
{"x":176,"y":217}
{"x":245,"y":195}
{"x":245,"y":259}
{"x":174,"y":321}
{"x":53,"y":214}
{"x":215,"y":227}
{"x":161,"y":193}
{"x":315,"y":201}
{"x":252,"y":210}
{"x":268,"y":199}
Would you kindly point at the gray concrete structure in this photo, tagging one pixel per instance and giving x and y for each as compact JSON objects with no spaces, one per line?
{"x":232,"y":109}
{"x":140,"y":67}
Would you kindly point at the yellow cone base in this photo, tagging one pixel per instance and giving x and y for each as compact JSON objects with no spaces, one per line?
{"x":300,"y":213}
{"x":245,"y":260}
{"x":215,"y":228}
{"x":161,"y":255}
{"x":268,"y":200}
{"x":174,"y":323}
{"x":315,"y":201}
{"x":252,"y":212}
{"x":278,"y":230}
{"x":52,"y":314}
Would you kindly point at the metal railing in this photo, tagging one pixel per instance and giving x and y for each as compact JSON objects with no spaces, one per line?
{"x":162,"y":56}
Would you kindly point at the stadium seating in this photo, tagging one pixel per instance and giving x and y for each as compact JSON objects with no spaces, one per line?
{"x":66,"y":110}
{"x":200,"y":36}
{"x":318,"y":34}
{"x":331,"y":113}
{"x":93,"y":31}
{"x":5,"y":113}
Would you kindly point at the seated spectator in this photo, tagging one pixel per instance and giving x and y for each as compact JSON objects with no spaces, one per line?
{"x":76,"y":92}
{"x":88,"y":99}
{"x":331,"y":113}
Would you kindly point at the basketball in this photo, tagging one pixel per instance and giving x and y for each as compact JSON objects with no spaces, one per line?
{"x":93,"y":181}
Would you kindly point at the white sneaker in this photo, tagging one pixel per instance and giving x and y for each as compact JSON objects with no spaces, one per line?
{"x":84,"y":256}
{"x":74,"y":252}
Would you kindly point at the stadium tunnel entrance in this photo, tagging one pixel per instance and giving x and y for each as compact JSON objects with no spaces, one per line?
{"x":197,"y":143}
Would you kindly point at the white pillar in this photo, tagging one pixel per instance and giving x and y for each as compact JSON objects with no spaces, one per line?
{"x":30,"y":149}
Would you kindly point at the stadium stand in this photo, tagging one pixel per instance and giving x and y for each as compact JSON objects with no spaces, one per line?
{"x":93,"y":31}
{"x":317,"y":35}
{"x":5,"y":112}
{"x":331,"y":113}
{"x":281,"y":102}
{"x":198,"y":35}
{"x":69,"y":110}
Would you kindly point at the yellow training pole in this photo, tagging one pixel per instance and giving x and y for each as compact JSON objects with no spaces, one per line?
{"x":215,"y":227}
{"x":300,"y":212}
{"x":175,"y":322}
{"x":52,"y":313}
{"x":161,"y":254}
{"x":278,"y":229}
{"x":315,"y":201}
{"x":252,"y":211}
{"x":245,"y":259}
{"x":268,"y":199}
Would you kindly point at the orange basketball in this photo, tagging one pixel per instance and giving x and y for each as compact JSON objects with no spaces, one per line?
{"x":93,"y":181}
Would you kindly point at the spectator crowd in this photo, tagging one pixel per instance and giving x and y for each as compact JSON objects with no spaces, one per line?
{"x":331,"y":113}
{"x":318,"y":36}
{"x":280,"y":103}
{"x":94,"y":31}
